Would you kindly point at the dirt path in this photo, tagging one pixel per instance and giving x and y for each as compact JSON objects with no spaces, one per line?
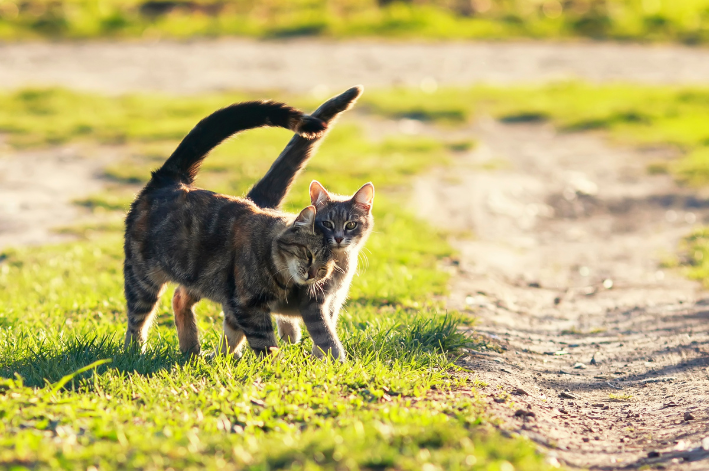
{"x":606,"y":354}
{"x":311,"y":65}
{"x":37,"y":189}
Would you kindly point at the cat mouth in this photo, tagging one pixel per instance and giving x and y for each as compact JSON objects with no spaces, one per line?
{"x":340,"y":245}
{"x":304,"y":281}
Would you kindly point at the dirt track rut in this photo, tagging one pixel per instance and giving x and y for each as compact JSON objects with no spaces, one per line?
{"x":605,"y":353}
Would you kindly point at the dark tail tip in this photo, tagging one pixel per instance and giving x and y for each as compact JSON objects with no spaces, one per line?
{"x":353,"y":93}
{"x":310,"y":127}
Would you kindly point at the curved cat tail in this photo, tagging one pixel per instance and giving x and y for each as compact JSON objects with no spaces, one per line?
{"x":271,"y":190}
{"x":184,"y":163}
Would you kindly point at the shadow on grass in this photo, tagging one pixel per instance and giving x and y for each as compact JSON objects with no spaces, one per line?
{"x":419,"y":340}
{"x":48,"y":365}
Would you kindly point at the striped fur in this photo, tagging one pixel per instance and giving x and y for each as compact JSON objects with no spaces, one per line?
{"x":271,"y":190}
{"x":320,"y":311}
{"x":218,"y":247}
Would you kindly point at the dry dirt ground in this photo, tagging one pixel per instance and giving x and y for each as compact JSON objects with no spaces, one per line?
{"x":307,"y":65}
{"x":37,"y":190}
{"x":603,"y":353}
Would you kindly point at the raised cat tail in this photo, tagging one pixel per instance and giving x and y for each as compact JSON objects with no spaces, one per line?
{"x":184,"y":163}
{"x":270,"y":191}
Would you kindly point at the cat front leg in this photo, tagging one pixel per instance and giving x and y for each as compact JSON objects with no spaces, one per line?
{"x":289,"y":329}
{"x":252,"y":322}
{"x":323,"y":331}
{"x":233,"y":338}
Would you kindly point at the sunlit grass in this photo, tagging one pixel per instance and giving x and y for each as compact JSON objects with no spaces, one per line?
{"x":630,"y":114}
{"x":657,"y":20}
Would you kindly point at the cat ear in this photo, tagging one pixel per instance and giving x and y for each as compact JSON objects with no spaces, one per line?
{"x":318,"y":193}
{"x":306,"y":217}
{"x":364,"y":197}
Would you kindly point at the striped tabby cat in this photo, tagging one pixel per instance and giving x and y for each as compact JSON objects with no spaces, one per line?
{"x":345,"y":223}
{"x":249,"y":259}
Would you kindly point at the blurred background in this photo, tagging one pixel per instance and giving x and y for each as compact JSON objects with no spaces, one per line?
{"x":645,"y":20}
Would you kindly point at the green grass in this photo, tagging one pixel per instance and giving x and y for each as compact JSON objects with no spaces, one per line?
{"x":393,"y":405}
{"x":694,"y":255}
{"x":638,"y":115}
{"x":646,"y":20}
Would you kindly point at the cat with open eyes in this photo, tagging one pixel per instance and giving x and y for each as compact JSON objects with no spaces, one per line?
{"x":333,"y":258}
{"x":219,"y":247}
{"x":344,"y":222}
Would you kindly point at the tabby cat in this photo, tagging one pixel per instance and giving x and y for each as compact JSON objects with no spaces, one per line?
{"x":219,"y":247}
{"x":345,"y":223}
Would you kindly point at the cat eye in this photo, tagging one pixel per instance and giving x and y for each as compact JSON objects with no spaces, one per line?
{"x":350,"y":225}
{"x":328,"y":224}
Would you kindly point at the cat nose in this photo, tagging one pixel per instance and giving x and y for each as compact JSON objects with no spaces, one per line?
{"x":312,"y":273}
{"x":338,"y":239}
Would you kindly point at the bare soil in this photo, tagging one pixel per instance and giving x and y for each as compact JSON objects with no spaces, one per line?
{"x":37,"y":190}
{"x":327,"y":67}
{"x":602,"y":354}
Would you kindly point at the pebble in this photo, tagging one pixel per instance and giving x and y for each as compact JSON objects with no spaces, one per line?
{"x":579,"y":366}
{"x":521,"y":413}
{"x":688,"y":416}
{"x":565,"y":395}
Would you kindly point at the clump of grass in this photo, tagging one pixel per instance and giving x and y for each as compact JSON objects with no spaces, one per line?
{"x":620,"y":397}
{"x":694,"y":258}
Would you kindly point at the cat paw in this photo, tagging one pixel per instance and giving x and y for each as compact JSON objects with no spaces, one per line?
{"x":329,"y":353}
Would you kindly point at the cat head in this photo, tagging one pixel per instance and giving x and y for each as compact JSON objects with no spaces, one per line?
{"x":344,"y":221}
{"x":300,"y":254}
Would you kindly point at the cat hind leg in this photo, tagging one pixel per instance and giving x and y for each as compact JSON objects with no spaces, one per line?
{"x":186,"y":321}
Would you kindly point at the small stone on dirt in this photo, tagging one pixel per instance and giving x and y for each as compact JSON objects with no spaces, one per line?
{"x":586,"y":439}
{"x":688,"y":416}
{"x":653,"y":454}
{"x":521,"y":413}
{"x":598,"y":404}
{"x":608,"y":283}
{"x":705,"y":443}
{"x":499,"y":399}
{"x":565,"y":395}
{"x":520,"y":392}
{"x":579,"y":366}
